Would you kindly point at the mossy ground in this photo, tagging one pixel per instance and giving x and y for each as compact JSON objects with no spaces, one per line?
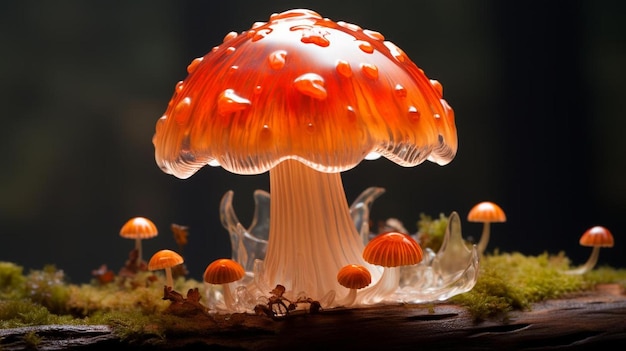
{"x":134,"y":306}
{"x":132,"y":302}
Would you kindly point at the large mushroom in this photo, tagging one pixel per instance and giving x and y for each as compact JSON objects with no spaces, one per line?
{"x":304,"y":98}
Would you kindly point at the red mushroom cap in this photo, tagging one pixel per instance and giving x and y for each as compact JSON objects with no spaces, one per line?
{"x":139,"y":228}
{"x":164,"y":259}
{"x":354,"y":276}
{"x":486,"y":211}
{"x":597,"y":236}
{"x":393,"y":249}
{"x":223,"y":271}
{"x":303,"y":87}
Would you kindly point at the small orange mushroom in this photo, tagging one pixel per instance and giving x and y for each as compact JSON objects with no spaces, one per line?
{"x":390,"y":250}
{"x":224,"y":271}
{"x":139,"y":228}
{"x":165,"y":259}
{"x":485,"y":212}
{"x":595,"y":237}
{"x":353,"y":277}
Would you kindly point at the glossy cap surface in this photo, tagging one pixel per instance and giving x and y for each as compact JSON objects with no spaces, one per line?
{"x":486,"y":211}
{"x":139,"y":228}
{"x":223,"y":271}
{"x":164,"y":259}
{"x":393,"y":249}
{"x":354,"y":276}
{"x":597,"y":236}
{"x":303,"y":87}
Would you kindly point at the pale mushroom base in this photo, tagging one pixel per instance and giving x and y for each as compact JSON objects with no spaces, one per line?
{"x":450,"y":271}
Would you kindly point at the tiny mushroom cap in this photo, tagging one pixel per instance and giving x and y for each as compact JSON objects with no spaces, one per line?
{"x":486,"y":211}
{"x":165,"y":259}
{"x":597,"y":236}
{"x":354,"y":276}
{"x":139,"y":228}
{"x":393,"y":249}
{"x":223,"y":271}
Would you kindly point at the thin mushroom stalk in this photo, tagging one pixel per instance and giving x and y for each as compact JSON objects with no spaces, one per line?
{"x":383,"y":288}
{"x":139,"y":252}
{"x":589,"y":264}
{"x":595,"y":237}
{"x":347,"y":300}
{"x":229,"y":298}
{"x":484,"y":238}
{"x":169,"y":278}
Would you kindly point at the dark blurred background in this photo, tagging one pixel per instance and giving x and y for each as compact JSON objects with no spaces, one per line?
{"x":537,"y":88}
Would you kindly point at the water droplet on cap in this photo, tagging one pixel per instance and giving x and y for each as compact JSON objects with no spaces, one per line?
{"x":277,"y":59}
{"x":365,"y":46}
{"x":194,"y":64}
{"x":438,"y":87}
{"x":414,"y":114}
{"x":395,"y":51}
{"x":229,"y":102}
{"x":179,"y":86}
{"x":181,"y":113}
{"x":343,"y":67}
{"x":312,"y":35}
{"x":261,"y":33}
{"x":400,"y":91}
{"x":350,"y":26}
{"x":373,"y":34}
{"x":230,"y":36}
{"x":312,"y":85}
{"x":370,"y":70}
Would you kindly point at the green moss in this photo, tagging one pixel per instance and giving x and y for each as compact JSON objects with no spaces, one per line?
{"x":48,"y":288}
{"x":606,"y":275}
{"x":133,"y":306}
{"x":514,"y":281}
{"x":11,"y":280}
{"x":430,"y":231}
{"x":24,"y":312}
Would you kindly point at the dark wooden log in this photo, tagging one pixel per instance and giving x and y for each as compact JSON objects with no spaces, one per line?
{"x":591,"y":320}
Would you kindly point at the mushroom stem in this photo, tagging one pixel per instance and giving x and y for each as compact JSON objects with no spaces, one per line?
{"x":139,"y":253}
{"x":168,"y":277}
{"x":591,"y":262}
{"x":312,"y":234}
{"x":348,"y":300}
{"x":385,"y":286}
{"x":229,"y":299}
{"x":484,"y":238}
